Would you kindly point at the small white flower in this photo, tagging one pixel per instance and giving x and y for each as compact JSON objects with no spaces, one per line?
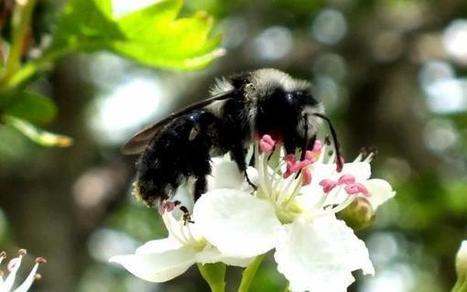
{"x":293,"y":211}
{"x":164,"y":259}
{"x":6,"y":284}
{"x":461,"y":260}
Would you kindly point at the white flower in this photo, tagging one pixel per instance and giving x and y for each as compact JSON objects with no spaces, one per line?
{"x":6,"y":285}
{"x":164,"y":259}
{"x":461,"y":260}
{"x":293,"y":211}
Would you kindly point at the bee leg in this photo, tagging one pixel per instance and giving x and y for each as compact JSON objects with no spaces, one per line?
{"x":238,"y":155}
{"x":186,"y":215}
{"x":305,"y":141}
{"x":255,"y":187}
{"x":312,"y":142}
{"x":200,"y":187}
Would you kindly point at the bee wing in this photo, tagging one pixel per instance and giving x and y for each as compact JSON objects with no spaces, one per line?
{"x":138,"y":143}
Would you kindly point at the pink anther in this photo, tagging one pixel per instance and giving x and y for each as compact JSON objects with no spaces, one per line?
{"x":346,"y":179}
{"x":295,"y":166}
{"x":166,"y":206}
{"x":41,"y":260}
{"x":266,"y":144}
{"x":290,"y":161}
{"x":311,"y":155}
{"x":306,"y":176}
{"x":291,"y":158}
{"x":328,"y":185}
{"x":356,"y":188}
{"x":317,"y":146}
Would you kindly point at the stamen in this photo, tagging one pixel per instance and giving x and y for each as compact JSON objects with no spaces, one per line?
{"x":294,"y":166}
{"x":339,"y":163}
{"x":167,"y":206}
{"x":170,"y":227}
{"x":356,"y":188}
{"x":267,"y":144}
{"x":317,"y":146}
{"x":185,"y":237}
{"x":2,"y":256}
{"x":294,"y":193}
{"x":306,"y":176}
{"x":343,"y":205}
{"x":328,"y":185}
{"x":370,"y":156}
{"x":41,"y":260}
{"x":312,"y":155}
{"x":37,"y":276}
{"x":13,"y":263}
{"x":346,"y":179}
{"x":22,"y":252}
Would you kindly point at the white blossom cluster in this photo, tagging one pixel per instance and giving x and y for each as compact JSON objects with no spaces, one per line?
{"x":292,"y":212}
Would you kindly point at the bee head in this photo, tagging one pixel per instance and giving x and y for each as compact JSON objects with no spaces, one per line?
{"x":284,"y":103}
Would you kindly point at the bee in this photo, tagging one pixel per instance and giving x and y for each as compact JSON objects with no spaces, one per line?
{"x":240,"y":108}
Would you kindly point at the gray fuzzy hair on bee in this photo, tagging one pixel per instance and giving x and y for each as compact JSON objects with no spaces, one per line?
{"x":240,"y":108}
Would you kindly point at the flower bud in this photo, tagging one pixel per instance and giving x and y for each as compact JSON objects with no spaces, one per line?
{"x":358,"y":215}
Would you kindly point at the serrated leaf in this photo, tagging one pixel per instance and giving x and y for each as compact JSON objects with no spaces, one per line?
{"x":84,"y":23}
{"x":32,"y":107}
{"x":37,"y":135}
{"x":152,"y":35}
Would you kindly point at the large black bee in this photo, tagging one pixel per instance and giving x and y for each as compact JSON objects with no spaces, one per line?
{"x":241,"y":107}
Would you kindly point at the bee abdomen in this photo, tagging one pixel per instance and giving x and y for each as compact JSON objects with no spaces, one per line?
{"x":179,"y":151}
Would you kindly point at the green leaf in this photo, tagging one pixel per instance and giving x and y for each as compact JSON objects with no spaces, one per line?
{"x":32,"y":107}
{"x":37,"y":135}
{"x":152,"y":36}
{"x":85,"y":23}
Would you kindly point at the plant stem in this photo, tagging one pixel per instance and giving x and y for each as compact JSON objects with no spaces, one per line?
{"x":214,"y":274}
{"x":19,"y":27}
{"x":249,"y":273}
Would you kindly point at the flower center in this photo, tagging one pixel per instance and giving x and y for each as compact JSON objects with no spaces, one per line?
{"x":181,"y":229}
{"x":280,"y":180}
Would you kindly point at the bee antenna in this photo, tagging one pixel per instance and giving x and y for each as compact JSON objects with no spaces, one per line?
{"x":334,"y":139}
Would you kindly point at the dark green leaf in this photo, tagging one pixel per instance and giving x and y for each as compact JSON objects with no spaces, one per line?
{"x":32,"y":107}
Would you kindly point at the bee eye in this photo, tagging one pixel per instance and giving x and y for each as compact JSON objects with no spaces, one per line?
{"x":290,"y":97}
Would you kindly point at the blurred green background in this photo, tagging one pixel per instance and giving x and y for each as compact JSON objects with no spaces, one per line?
{"x":390,"y":73}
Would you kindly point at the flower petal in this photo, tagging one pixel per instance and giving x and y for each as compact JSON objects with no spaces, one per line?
{"x":379,"y":192}
{"x":157,"y":267}
{"x":184,"y":195}
{"x":237,"y":223}
{"x":210,"y":255}
{"x":225,"y":174}
{"x":360,"y":170}
{"x":158,"y":246}
{"x":320,"y":255}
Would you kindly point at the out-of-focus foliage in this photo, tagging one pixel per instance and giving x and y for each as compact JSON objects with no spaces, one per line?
{"x":153,"y":35}
{"x":32,"y":107}
{"x":392,"y":74}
